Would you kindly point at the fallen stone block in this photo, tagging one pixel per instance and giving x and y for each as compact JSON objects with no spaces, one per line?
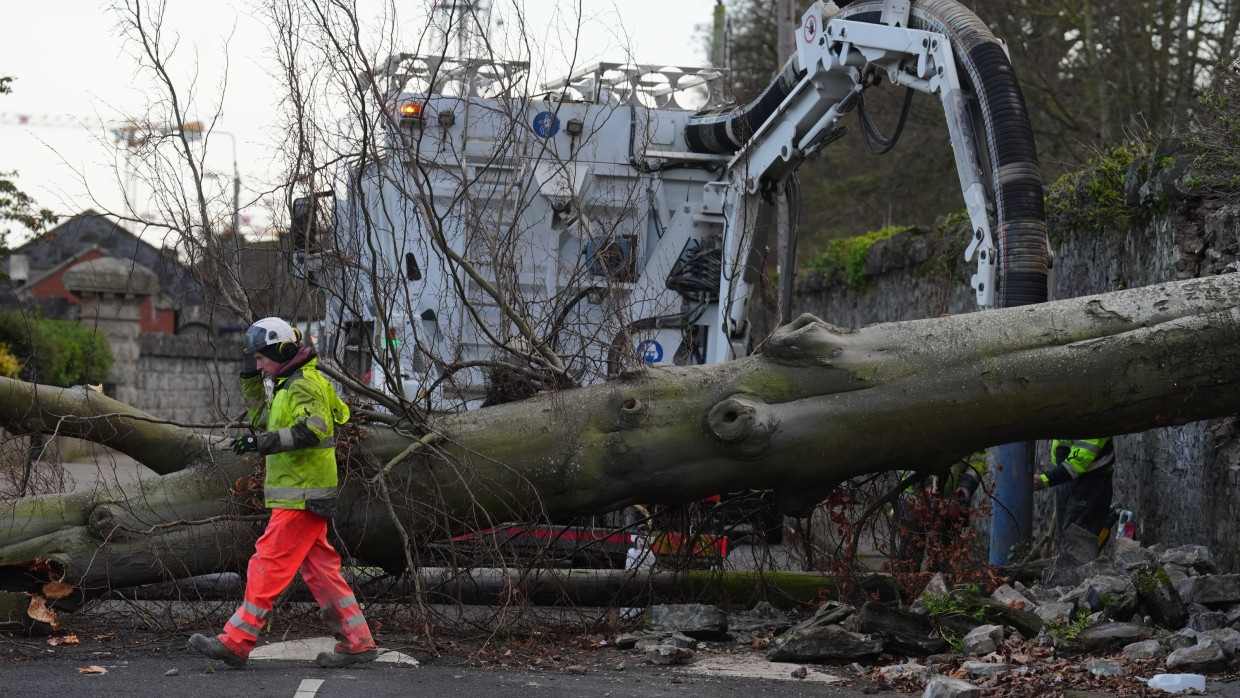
{"x":1201,"y":618}
{"x":902,"y":632}
{"x":1025,"y":622}
{"x":1055,"y":612}
{"x":1011,"y":598}
{"x":985,"y":669}
{"x":763,"y":616}
{"x":983,"y":639}
{"x":1210,"y":589}
{"x":668,"y":654}
{"x":1233,"y":616}
{"x":935,"y":588}
{"x":628,"y":641}
{"x":1114,"y":596}
{"x":1185,"y":637}
{"x":898,"y":671}
{"x":700,"y":621}
{"x":816,"y":643}
{"x":1128,"y":554}
{"x":948,"y":687}
{"x":1204,"y":657}
{"x":680,"y":640}
{"x":1077,"y":548}
{"x":1142,"y":651}
{"x":1197,"y":558}
{"x":1227,"y":638}
{"x":1105,"y":637}
{"x":1157,"y":592}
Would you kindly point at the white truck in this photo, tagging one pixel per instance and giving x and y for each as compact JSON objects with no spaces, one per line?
{"x":499,"y":240}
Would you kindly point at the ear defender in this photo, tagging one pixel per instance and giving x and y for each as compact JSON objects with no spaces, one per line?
{"x":289,"y":349}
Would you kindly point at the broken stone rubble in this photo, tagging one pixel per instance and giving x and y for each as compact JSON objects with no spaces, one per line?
{"x":1204,"y":657}
{"x":949,"y":687}
{"x":1122,"y":602}
{"x":983,"y":639}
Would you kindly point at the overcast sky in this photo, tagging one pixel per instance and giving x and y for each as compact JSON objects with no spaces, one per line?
{"x":74,"y":78}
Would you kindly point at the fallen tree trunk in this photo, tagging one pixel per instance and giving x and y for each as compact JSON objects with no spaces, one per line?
{"x":540,"y":587}
{"x":820,"y":405}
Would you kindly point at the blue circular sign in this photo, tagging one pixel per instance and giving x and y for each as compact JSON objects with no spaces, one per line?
{"x":650,"y":351}
{"x":546,"y":124}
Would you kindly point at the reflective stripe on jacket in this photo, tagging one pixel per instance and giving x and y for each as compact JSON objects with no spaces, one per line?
{"x":967,"y":472}
{"x":1075,"y":458}
{"x":299,"y":444}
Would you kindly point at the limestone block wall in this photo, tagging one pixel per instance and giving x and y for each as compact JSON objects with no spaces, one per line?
{"x":1182,"y":482}
{"x":899,"y":284}
{"x":187,"y":378}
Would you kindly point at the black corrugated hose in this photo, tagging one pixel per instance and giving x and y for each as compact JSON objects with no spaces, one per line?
{"x":985,"y":69}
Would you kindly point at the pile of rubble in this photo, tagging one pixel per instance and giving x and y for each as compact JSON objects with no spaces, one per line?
{"x":1105,"y":624}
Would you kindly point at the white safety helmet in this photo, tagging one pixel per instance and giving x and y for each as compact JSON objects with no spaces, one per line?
{"x":273,"y":338}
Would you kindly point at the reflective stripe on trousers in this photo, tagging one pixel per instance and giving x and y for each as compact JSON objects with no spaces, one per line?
{"x":343,"y":616}
{"x":248,"y":620}
{"x":296,"y":539}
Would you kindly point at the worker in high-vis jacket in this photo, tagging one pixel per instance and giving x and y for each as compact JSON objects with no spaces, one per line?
{"x":1082,"y":474}
{"x":299,"y":423}
{"x":936,"y":510}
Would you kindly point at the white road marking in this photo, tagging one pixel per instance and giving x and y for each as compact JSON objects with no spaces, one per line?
{"x":308,"y":688}
{"x":305,"y":650}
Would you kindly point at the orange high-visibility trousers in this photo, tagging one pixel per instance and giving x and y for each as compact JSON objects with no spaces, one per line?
{"x":296,"y":539}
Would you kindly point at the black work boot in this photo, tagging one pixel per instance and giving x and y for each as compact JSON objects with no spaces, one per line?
{"x":340,"y":660}
{"x":214,"y":649}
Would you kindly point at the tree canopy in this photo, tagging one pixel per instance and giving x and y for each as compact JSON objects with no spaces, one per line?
{"x":1095,"y":75}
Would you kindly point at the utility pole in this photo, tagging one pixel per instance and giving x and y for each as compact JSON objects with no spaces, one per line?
{"x":236,"y":182}
{"x":719,"y":50}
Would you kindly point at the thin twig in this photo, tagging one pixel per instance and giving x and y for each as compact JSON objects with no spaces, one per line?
{"x":427,"y":440}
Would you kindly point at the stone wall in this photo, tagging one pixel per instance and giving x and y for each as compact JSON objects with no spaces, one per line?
{"x":1183,"y":482}
{"x":190,"y":379}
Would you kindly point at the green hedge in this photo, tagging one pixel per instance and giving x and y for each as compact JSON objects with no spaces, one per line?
{"x":56,"y":352}
{"x":845,"y":258}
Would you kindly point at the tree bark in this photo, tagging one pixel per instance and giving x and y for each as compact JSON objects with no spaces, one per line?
{"x":818,"y":406}
{"x":539,"y":586}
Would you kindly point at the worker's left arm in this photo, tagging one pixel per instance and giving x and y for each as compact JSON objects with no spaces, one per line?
{"x":1071,"y":461}
{"x":973,"y":469}
{"x":311,"y":420}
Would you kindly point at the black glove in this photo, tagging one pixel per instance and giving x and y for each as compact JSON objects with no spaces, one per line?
{"x":249,"y":365}
{"x":245,"y":444}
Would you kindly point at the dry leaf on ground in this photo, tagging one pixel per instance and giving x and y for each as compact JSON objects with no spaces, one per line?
{"x":92,"y":669}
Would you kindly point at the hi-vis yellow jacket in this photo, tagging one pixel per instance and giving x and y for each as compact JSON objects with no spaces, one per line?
{"x":300,"y":443}
{"x":1077,"y":457}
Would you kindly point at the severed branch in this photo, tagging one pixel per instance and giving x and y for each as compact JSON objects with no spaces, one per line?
{"x":160,"y":445}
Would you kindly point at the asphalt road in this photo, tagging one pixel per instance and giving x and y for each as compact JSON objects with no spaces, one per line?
{"x":164,"y":668}
{"x":167,"y":671}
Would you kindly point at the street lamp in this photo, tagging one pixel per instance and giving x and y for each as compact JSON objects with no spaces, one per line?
{"x":132,"y":135}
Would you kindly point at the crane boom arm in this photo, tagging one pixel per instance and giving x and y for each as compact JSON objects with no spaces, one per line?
{"x":839,"y":56}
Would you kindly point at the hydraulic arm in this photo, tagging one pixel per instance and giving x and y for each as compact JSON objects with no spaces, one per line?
{"x":931,"y":46}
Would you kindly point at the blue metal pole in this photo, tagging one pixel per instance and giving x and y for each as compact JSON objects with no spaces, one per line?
{"x":1011,"y":521}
